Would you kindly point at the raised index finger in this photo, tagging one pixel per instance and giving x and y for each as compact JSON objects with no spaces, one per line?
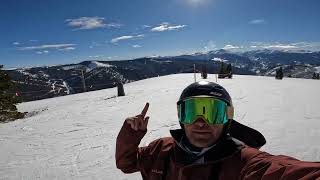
{"x":145,"y":109}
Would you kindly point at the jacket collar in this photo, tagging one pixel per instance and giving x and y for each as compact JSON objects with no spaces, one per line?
{"x":224,"y":148}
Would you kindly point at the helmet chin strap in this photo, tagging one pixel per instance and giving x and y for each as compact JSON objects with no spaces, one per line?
{"x":230,"y":115}
{"x":226,"y":128}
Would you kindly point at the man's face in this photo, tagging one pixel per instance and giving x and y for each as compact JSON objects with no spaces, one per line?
{"x":201,"y":134}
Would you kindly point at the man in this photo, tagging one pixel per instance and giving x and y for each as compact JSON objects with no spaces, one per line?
{"x":209,"y":145}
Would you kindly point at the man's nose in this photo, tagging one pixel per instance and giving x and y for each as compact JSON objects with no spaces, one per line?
{"x":200,"y":121}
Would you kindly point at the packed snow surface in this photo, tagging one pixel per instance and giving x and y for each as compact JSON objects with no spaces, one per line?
{"x":73,"y":137}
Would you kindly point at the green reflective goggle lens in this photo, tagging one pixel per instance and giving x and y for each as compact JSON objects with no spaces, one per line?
{"x":212,"y":110}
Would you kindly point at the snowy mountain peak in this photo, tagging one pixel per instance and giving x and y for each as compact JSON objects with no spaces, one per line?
{"x":219,"y":51}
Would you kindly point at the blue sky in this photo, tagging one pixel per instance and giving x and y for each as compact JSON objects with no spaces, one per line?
{"x":49,"y":32}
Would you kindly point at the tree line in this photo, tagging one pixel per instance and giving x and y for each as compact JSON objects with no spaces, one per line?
{"x":8,"y":101}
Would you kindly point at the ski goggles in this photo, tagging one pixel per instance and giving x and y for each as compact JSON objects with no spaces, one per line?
{"x":212,"y":110}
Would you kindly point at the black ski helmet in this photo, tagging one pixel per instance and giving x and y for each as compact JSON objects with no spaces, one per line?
{"x":206,"y":88}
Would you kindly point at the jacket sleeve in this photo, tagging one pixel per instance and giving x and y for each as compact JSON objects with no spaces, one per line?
{"x":127,"y":150}
{"x":261,"y":165}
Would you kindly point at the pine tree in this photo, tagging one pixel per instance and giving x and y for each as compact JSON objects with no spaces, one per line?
{"x":204,"y":73}
{"x":8,"y":110}
{"x":229,"y":70}
{"x":315,"y":75}
{"x":223,"y":68}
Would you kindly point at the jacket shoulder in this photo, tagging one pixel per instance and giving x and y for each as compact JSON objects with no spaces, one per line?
{"x":260,"y":164}
{"x":154,"y":155}
{"x":159,"y":146}
{"x":248,"y":154}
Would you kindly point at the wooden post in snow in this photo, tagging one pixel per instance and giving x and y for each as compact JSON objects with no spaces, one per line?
{"x":120,"y":89}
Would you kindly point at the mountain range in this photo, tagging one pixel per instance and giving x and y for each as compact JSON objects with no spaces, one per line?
{"x":51,"y":81}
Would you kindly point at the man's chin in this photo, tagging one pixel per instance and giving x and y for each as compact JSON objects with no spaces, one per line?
{"x":203,"y":142}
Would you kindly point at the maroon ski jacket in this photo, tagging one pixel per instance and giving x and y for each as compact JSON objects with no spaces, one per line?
{"x":164,"y":159}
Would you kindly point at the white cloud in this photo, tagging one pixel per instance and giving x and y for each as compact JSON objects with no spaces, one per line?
{"x":16,"y":43}
{"x":96,"y":56}
{"x":136,"y":46}
{"x":95,"y":44}
{"x":196,"y":3}
{"x":112,"y":57}
{"x":258,"y":21}
{"x":280,"y":46}
{"x":33,"y":40}
{"x":86,"y":22}
{"x":313,"y":46}
{"x":256,"y":43}
{"x":42,"y":52}
{"x":275,"y":45}
{"x":229,"y":46}
{"x":146,"y":26}
{"x":307,"y":44}
{"x":48,"y":46}
{"x":91,"y":23}
{"x":114,"y":25}
{"x":122,"y":38}
{"x":210,"y":46}
{"x":167,"y":27}
{"x":68,"y":49}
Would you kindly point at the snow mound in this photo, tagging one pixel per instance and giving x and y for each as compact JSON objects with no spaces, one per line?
{"x":96,"y":64}
{"x":317,"y":69}
{"x":73,"y":137}
{"x":22,"y":71}
{"x":219,"y":59}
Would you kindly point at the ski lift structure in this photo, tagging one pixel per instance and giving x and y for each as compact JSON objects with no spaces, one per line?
{"x":76,"y":68}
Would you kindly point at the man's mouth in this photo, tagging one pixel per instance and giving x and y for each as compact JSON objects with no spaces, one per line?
{"x":201,"y":132}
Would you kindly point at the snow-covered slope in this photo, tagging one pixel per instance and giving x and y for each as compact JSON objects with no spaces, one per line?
{"x":73,"y":137}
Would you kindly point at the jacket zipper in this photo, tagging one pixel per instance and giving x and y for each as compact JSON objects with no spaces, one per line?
{"x":213,"y":162}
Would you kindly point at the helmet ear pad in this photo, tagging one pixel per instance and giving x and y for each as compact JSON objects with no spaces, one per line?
{"x":230,"y":112}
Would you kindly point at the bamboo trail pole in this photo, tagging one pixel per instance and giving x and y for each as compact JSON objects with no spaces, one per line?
{"x":83,"y":82}
{"x":194,"y":70}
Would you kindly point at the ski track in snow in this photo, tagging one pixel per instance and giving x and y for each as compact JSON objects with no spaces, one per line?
{"x":73,"y":137}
